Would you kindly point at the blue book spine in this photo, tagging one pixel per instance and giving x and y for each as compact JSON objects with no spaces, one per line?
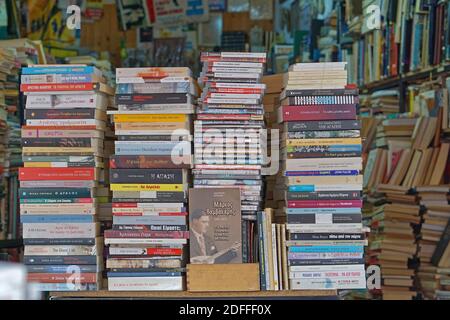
{"x":61,"y":269}
{"x":261,"y":252}
{"x":144,"y":274}
{"x":324,"y":249}
{"x":323,"y":210}
{"x":303,"y":188}
{"x":57,"y":70}
{"x":321,"y":173}
{"x":66,"y":287}
{"x":57,"y":218}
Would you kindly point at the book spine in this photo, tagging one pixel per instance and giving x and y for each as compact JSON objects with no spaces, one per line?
{"x":326,"y":236}
{"x":57,"y":218}
{"x":146,"y":234}
{"x":145,"y":284}
{"x":298,"y":196}
{"x":60,"y":260}
{"x":325,"y":204}
{"x":56,"y":241}
{"x":61,"y":269}
{"x":293,"y":113}
{"x":441,"y":246}
{"x":325,"y":262}
{"x":45,"y":250}
{"x":58,"y":70}
{"x":57,"y":78}
{"x":56,"y":114}
{"x":62,"y":278}
{"x":324,"y":218}
{"x":57,"y":87}
{"x":163,"y":98}
{"x":59,"y":230}
{"x":262,"y":256}
{"x":32,"y":174}
{"x":147,"y":162}
{"x":57,"y":193}
{"x":332,"y":125}
{"x":326,"y":249}
{"x":334,"y":92}
{"x":150,"y":220}
{"x":146,"y":176}
{"x":145,"y":228}
{"x":58,"y":142}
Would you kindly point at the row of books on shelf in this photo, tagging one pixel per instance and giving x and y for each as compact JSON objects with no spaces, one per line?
{"x":411,"y":36}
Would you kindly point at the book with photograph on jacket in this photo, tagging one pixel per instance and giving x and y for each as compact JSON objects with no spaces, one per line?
{"x":215,"y":226}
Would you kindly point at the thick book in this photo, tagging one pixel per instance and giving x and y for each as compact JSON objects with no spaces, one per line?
{"x":296,"y":113}
{"x":215,"y":224}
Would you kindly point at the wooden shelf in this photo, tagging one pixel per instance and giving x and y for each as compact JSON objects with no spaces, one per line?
{"x":408,"y":77}
{"x":177,"y":295}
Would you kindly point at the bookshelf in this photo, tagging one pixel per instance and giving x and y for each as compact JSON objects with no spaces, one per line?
{"x":403,"y":80}
{"x":160,"y":295}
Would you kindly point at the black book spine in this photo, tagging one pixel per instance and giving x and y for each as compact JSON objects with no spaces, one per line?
{"x":441,"y":246}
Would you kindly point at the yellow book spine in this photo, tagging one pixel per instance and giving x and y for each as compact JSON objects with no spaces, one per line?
{"x":146,"y":187}
{"x":150,"y":118}
{"x":323,"y":142}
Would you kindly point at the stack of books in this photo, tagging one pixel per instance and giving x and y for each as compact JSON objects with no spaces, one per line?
{"x":10,"y":151}
{"x":63,"y":157}
{"x":434,"y":250}
{"x":229,"y":133}
{"x":149,"y":176}
{"x":392,"y":246}
{"x":274,"y":86}
{"x":321,"y":182}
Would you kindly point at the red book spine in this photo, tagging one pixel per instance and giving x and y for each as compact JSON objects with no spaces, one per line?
{"x":234,"y":90}
{"x":62,"y":277}
{"x":57,"y":87}
{"x":325,"y":204}
{"x":147,"y":234}
{"x":164,"y":252}
{"x":316,"y":113}
{"x":71,"y":174}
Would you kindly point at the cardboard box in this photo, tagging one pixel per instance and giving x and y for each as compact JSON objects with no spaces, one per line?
{"x":223,"y":277}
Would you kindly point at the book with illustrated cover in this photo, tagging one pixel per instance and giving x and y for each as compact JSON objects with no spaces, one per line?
{"x":215,"y":226}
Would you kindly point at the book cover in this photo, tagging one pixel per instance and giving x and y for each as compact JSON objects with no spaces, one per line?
{"x":215,"y":226}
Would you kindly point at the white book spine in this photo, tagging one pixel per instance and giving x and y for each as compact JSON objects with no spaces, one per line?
{"x":145,"y":283}
{"x":59,"y":230}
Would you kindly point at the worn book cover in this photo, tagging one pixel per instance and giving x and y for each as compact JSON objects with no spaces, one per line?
{"x":215,"y":226}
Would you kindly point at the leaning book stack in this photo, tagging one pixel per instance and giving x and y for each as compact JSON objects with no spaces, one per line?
{"x":229,"y":133}
{"x":434,"y":249}
{"x":149,"y":175}
{"x":321,"y":181}
{"x":63,"y":172}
